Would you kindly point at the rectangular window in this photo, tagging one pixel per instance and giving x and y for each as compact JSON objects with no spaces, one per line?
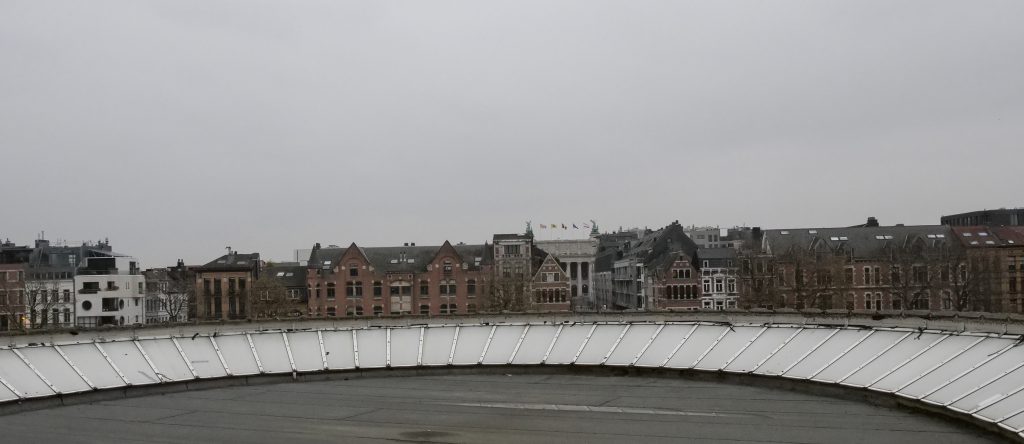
{"x":424,"y":288}
{"x":378,"y":289}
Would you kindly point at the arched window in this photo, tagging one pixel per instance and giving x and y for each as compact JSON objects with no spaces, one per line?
{"x":424,"y":309}
{"x":378,"y":310}
{"x":471,"y":308}
{"x":332,"y":311}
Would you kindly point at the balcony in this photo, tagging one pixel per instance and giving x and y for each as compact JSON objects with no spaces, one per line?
{"x":88,"y":290}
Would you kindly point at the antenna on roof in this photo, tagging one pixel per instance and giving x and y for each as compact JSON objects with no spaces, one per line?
{"x":229,"y":249}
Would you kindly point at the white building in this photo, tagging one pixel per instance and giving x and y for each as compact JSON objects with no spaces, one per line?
{"x":109,"y":291}
{"x":718,"y":271}
{"x":577,"y":257}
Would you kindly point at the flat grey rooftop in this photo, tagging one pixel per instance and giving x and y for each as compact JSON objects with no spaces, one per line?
{"x":484,"y":408}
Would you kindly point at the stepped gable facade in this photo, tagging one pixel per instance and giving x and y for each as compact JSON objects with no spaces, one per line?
{"x":371,"y":281}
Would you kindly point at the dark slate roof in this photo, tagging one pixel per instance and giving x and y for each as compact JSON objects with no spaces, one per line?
{"x":233,"y":261}
{"x":605,"y":261}
{"x":387,"y":259}
{"x":983,"y":236}
{"x":864,"y":242}
{"x":288,"y":275}
{"x":512,"y":237}
{"x":716,"y":253}
{"x":670,"y":243}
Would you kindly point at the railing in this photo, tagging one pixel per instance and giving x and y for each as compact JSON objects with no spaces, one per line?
{"x":978,"y":377}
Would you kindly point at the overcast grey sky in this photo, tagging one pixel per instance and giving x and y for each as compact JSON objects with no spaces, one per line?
{"x":176,"y":128}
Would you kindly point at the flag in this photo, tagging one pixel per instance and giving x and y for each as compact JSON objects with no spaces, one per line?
{"x":575,"y":227}
{"x":542,"y":226}
{"x":586,"y":226}
{"x":564,"y":227}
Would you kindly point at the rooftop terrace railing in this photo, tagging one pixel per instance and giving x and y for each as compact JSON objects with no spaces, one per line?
{"x":972,"y":375}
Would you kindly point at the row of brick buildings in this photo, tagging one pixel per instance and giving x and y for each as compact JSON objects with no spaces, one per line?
{"x":864,"y":267}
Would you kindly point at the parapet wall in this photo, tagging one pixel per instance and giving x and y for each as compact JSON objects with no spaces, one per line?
{"x":973,"y":370}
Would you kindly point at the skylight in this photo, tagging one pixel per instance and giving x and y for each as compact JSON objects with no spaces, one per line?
{"x":783,"y":232}
{"x":280,"y":273}
{"x":967,"y":234}
{"x":812,"y":231}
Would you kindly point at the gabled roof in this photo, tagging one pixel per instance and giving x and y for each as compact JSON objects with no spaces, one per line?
{"x":548,"y":260}
{"x":401,"y":259}
{"x":670,"y":243}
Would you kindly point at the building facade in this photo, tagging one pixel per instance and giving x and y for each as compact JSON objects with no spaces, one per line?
{"x":425,"y":280}
{"x":719,"y":271}
{"x":577,"y":258}
{"x":222,"y":286}
{"x":110,"y":291}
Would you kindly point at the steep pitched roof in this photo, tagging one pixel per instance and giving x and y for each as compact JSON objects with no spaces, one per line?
{"x":669,"y":245}
{"x":861,"y":242}
{"x":401,"y":259}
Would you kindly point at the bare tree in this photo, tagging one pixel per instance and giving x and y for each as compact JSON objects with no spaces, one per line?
{"x":911,"y":275}
{"x":178,"y":296}
{"x":269,"y":299}
{"x":759,"y":281}
{"x":41,"y":296}
{"x":961,"y":279}
{"x":508,"y":293}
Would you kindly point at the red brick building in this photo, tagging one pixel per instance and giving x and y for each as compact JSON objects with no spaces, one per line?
{"x":357,"y":281}
{"x":12,"y":296}
{"x":550,"y":286}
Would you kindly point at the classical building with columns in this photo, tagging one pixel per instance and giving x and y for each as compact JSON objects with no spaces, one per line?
{"x":577,"y":258}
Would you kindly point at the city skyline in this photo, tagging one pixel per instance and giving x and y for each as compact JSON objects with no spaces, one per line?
{"x":185,"y":127}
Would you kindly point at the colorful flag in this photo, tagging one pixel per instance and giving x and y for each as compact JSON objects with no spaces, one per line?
{"x":575,"y":227}
{"x":542,"y":226}
{"x":564,"y":227}
{"x":586,"y":226}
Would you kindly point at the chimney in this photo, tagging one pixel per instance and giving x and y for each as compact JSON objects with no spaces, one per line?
{"x":412,"y":244}
{"x":42,"y":243}
{"x":406,"y":244}
{"x":872,"y":222}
